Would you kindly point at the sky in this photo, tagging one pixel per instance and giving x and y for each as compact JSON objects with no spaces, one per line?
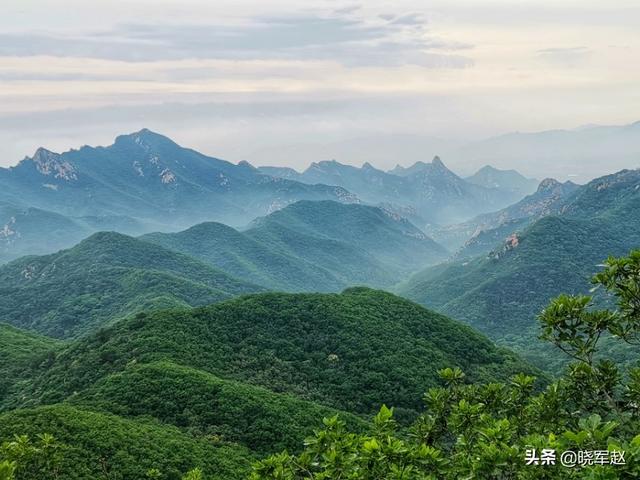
{"x":288,"y":81}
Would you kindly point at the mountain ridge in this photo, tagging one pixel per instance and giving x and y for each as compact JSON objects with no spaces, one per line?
{"x":105,"y":276}
{"x":480,"y":234}
{"x":148,"y":176}
{"x":435,"y":193}
{"x":320,"y":245}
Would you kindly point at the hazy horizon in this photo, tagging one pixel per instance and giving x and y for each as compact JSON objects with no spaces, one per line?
{"x":289,"y":83}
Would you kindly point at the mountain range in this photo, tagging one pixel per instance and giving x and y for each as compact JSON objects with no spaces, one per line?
{"x":150,"y":178}
{"x":426,"y":193}
{"x":106,"y":276}
{"x":145,"y":182}
{"x":312,"y":246}
{"x":307,"y":246}
{"x":580,"y":154}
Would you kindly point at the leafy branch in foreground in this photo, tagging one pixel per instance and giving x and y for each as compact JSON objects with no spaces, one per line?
{"x":485,"y":431}
{"x":23,"y":458}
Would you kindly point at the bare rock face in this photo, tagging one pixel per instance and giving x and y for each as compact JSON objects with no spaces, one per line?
{"x":51,"y":164}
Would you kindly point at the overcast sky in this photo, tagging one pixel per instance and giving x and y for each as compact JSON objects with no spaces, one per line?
{"x":236,"y":78}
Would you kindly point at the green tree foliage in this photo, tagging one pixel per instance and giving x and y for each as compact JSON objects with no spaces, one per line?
{"x":311,"y":246}
{"x":22,"y":354}
{"x":24,"y":459}
{"x":218,"y":387}
{"x":484,"y":430}
{"x":105,"y":277}
{"x":99,"y":446}
{"x":351,"y":351}
{"x":207,"y":406}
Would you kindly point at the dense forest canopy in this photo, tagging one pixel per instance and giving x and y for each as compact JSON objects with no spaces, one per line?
{"x":468,"y":427}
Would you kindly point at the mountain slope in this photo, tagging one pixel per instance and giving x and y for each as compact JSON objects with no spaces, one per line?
{"x":351,"y":351}
{"x":147,"y":176}
{"x":105,"y":276}
{"x":20,"y":354}
{"x":196,"y":401}
{"x":248,"y":258}
{"x":95,"y":442}
{"x":312,"y":246}
{"x":32,"y":231}
{"x":501,"y":294}
{"x":389,"y":238}
{"x":482,"y":233}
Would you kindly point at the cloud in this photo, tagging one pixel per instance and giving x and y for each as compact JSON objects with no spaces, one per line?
{"x":409,"y":19}
{"x":566,"y":57}
{"x":348,"y":10}
{"x":345,"y":40}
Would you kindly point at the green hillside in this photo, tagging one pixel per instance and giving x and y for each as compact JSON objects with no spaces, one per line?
{"x":33,"y":231}
{"x":346,"y":263}
{"x":206,"y":405}
{"x":248,"y":258}
{"x":501,"y":294}
{"x":480,"y":234}
{"x":106,"y":276}
{"x":100,"y":445}
{"x":20,"y":354}
{"x":351,"y":351}
{"x":312,"y":246}
{"x":389,"y":238}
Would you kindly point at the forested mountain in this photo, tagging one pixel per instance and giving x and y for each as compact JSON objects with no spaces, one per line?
{"x":508,"y":430}
{"x":106,"y":276}
{"x":149,"y":177}
{"x":501,"y":293}
{"x":222,"y":385}
{"x":435,"y":193}
{"x":32,"y":231}
{"x":312,"y":246}
{"x":332,"y":348}
{"x":389,"y":238}
{"x":92,"y":444}
{"x":482,"y":233}
{"x":218,"y":345}
{"x":247,"y":258}
{"x":21,"y":353}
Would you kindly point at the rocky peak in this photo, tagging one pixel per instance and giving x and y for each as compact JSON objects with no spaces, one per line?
{"x":548,"y":184}
{"x":247,"y":165}
{"x":43,"y":156}
{"x":146,"y":139}
{"x":51,"y":164}
{"x":437,"y":163}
